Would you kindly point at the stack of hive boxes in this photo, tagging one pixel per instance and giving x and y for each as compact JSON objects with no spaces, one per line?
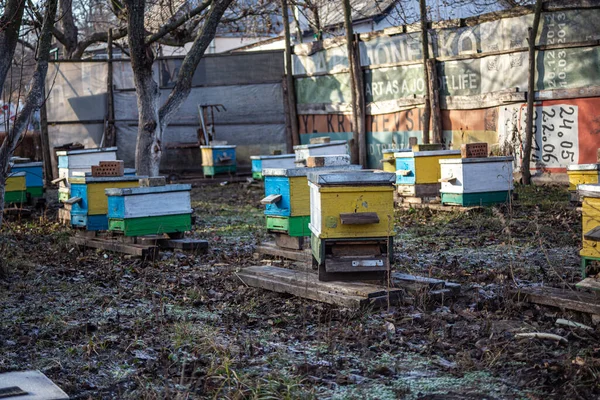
{"x":418,"y":171}
{"x":334,"y":147}
{"x":581,"y":174}
{"x":287,"y":201}
{"x":590,"y":224}
{"x":218,"y":159}
{"x":77,"y":162}
{"x":34,"y":175}
{"x":15,"y":188}
{"x":351,"y":223}
{"x":476,"y":179}
{"x":88,"y":205}
{"x":152,"y":209}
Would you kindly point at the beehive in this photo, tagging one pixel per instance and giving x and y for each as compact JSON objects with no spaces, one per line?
{"x":581,"y":174}
{"x":418,"y":173}
{"x":319,"y":149}
{"x":34,"y":177}
{"x":150,"y":210}
{"x":388,"y":162}
{"x":590,"y":223}
{"x":335,"y":195}
{"x":268,"y":162}
{"x":476,"y":181}
{"x":91,"y":211}
{"x":218,"y":159}
{"x":291,"y":213}
{"x":71,"y":162}
{"x":15,"y":188}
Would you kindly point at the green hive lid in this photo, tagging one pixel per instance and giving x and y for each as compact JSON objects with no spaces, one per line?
{"x":352,"y":178}
{"x":85,"y":151}
{"x":179,"y":187}
{"x":273,"y":157}
{"x":583,"y":167}
{"x":304,"y":171}
{"x":317,"y":145}
{"x":476,"y":160}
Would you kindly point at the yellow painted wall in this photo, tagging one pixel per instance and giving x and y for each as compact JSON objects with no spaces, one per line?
{"x":299,"y":196}
{"x":581,"y":177}
{"x":15,"y":184}
{"x":427,"y":169}
{"x":337,"y":200}
{"x":97,"y":200}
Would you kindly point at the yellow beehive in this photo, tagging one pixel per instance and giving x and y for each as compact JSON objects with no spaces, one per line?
{"x":590,"y":219}
{"x":335,"y":196}
{"x":388,"y":161}
{"x":92,"y":191}
{"x":581,"y":174}
{"x":422,"y":167}
{"x":15,"y":183}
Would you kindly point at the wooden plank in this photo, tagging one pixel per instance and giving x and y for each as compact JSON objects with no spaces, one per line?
{"x":272,"y":250}
{"x":594,"y":234}
{"x":145,"y":251}
{"x":360,"y":249}
{"x":289,"y":242}
{"x":418,"y":283}
{"x":359,"y":218}
{"x":197,"y":246}
{"x":307,"y":285}
{"x":366,"y":264}
{"x":440,"y":207}
{"x":560,"y":298}
{"x":589,"y":283}
{"x":271,"y":199}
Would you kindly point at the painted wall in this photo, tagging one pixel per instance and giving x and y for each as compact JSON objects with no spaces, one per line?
{"x":482,"y":74}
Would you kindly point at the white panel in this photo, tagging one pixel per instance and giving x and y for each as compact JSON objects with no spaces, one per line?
{"x":156,"y":204}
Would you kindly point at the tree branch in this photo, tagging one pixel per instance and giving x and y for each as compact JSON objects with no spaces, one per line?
{"x":10,"y":24}
{"x":176,"y":23}
{"x":186,"y":72}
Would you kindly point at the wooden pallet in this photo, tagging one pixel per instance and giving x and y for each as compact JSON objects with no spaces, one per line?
{"x":306,"y":284}
{"x":146,"y":247}
{"x":561,"y":298}
{"x":439,"y":207}
{"x":271,"y":249}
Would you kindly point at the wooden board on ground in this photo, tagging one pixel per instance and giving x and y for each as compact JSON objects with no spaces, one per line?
{"x":561,"y":298}
{"x":17,"y":211}
{"x":307,"y":285}
{"x":29,"y":385}
{"x":440,"y":207}
{"x":147,"y":252}
{"x":589,"y":283}
{"x":271,"y":249}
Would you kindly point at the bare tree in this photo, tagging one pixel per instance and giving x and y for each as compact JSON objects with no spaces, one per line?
{"x":34,"y":97}
{"x":152,"y":119}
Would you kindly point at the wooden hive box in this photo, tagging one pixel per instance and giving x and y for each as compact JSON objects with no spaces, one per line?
{"x":590,"y":220}
{"x":388,"y":162}
{"x":304,"y":151}
{"x":290,"y":213}
{"x":218,"y":159}
{"x":581,"y":174}
{"x":72,"y":161}
{"x":34,"y":177}
{"x":263,"y":162}
{"x":91,"y":210}
{"x":476,"y":181}
{"x":340,"y":200}
{"x":15,"y":189}
{"x":422,"y":167}
{"x":150,"y":210}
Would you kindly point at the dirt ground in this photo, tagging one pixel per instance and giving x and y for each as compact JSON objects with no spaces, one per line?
{"x":105,"y":326}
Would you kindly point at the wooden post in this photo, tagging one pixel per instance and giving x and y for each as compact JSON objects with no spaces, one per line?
{"x":425,"y":50}
{"x":525,"y":162}
{"x":361,"y":109}
{"x":434,"y":101}
{"x":45,"y":141}
{"x":291,"y":90}
{"x":110,"y":138}
{"x":357,"y":146}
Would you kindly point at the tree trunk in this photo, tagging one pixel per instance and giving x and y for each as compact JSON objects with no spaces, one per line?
{"x":69,"y":29}
{"x":291,"y":91}
{"x":425,"y":48}
{"x":10,"y":24}
{"x":33,"y":100}
{"x":434,"y":101}
{"x":148,"y":150}
{"x":526,"y":159}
